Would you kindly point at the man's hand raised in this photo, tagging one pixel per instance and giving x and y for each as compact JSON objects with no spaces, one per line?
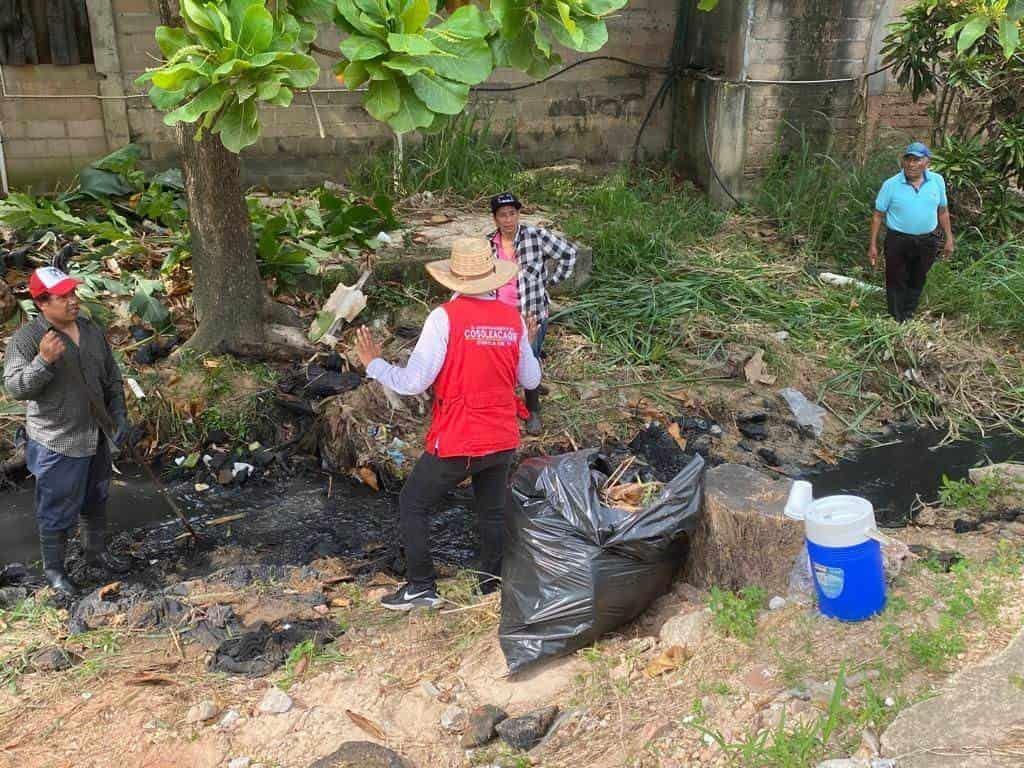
{"x":367,"y":347}
{"x":52,"y":347}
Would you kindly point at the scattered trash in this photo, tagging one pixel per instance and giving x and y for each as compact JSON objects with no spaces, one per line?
{"x":526,"y":732}
{"x":807,"y":414}
{"x":669,"y":661}
{"x":260,"y":651}
{"x":780,"y":336}
{"x":776,"y":603}
{"x":842,"y":281}
{"x":136,"y":389}
{"x":756,"y":371}
{"x":344,"y":304}
{"x":553,"y":606}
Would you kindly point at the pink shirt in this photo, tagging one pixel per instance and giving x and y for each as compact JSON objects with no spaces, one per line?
{"x":509,"y":292}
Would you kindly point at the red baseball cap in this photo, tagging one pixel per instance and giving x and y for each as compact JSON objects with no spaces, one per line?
{"x":51,"y":280}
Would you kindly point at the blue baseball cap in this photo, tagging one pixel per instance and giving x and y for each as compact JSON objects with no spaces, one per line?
{"x":917,"y":149}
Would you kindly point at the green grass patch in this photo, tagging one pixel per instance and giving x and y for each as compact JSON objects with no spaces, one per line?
{"x":735,"y":614}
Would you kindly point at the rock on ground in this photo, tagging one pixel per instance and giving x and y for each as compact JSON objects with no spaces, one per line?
{"x":481,"y":726}
{"x":362,"y":754}
{"x":202,"y":711}
{"x":240,"y":762}
{"x":974,"y":723}
{"x":526,"y":732}
{"x":51,"y":659}
{"x":275,"y":702}
{"x":686,"y":630}
{"x":1011,"y":475}
{"x":453,"y":719}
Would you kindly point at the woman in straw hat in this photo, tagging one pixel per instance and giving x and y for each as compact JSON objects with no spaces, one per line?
{"x":474,"y":351}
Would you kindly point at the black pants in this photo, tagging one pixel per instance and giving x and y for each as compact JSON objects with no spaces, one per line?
{"x":907,"y":261}
{"x":424,"y":489}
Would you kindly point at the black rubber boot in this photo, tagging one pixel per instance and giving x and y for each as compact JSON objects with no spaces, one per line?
{"x":53,"y":545}
{"x":533,"y":424}
{"x":911,"y":302}
{"x":896,"y":301}
{"x":93,"y":529}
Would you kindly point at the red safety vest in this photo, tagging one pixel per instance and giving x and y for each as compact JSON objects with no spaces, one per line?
{"x":475,"y":405}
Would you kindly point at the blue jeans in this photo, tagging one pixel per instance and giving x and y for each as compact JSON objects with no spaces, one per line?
{"x":67,"y":486}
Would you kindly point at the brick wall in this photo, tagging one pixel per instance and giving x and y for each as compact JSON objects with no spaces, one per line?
{"x":592,"y":113}
{"x":50,"y":138}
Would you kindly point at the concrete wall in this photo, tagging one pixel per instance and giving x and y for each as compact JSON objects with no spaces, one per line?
{"x":50,"y":138}
{"x":592,"y":113}
{"x":788,"y":40}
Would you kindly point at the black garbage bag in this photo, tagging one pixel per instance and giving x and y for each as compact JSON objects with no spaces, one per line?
{"x":575,"y":568}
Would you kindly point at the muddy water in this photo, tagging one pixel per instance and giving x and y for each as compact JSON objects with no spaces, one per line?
{"x":281,"y":522}
{"x":893,"y":476}
{"x":134,"y":501}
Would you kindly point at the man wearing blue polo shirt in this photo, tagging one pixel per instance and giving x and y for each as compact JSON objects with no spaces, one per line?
{"x":913,"y":204}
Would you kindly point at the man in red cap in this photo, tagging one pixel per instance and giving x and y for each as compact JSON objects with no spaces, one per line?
{"x":63,"y":366}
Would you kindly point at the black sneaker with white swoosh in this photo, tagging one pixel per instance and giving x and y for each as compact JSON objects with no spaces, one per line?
{"x":408,"y":597}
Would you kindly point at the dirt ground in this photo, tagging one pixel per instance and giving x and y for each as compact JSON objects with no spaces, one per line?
{"x":390,"y":678}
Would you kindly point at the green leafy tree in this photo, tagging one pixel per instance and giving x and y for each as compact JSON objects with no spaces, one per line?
{"x":417,"y":61}
{"x":967,"y":57}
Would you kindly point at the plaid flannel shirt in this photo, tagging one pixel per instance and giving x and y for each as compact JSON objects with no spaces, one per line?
{"x":533,"y":245}
{"x":58,"y":415}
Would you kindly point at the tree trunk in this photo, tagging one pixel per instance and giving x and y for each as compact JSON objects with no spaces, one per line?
{"x":227,"y":291}
{"x":234,"y":313}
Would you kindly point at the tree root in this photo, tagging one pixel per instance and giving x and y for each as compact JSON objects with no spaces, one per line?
{"x":279,"y":342}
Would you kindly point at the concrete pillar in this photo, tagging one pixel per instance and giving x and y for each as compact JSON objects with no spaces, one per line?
{"x":108,"y":67}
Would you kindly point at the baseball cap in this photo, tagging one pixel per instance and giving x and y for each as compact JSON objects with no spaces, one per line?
{"x":505,"y":198}
{"x":51,"y":280}
{"x":917,"y":149}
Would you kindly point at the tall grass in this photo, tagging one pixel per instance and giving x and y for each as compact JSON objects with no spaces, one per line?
{"x":467,"y":157}
{"x":824,"y":201}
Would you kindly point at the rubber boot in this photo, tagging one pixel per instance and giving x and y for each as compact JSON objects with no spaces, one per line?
{"x":53,"y":545}
{"x":93,"y":529}
{"x":533,"y":423}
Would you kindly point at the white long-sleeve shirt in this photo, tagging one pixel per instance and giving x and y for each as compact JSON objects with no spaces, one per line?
{"x":427,"y":359}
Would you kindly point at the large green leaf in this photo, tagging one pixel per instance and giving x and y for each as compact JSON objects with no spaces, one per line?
{"x":415,"y":16}
{"x":303,"y":71}
{"x":467,"y":22}
{"x":1015,"y":10}
{"x":355,"y":75}
{"x":414,"y":45}
{"x":208,"y":100}
{"x":165,"y":100}
{"x":360,"y":48}
{"x":318,"y":11}
{"x":603,"y":7}
{"x":238,"y":126}
{"x":975,"y":27}
{"x":171,"y":40}
{"x":99,"y":184}
{"x":146,"y":307}
{"x":237,"y":10}
{"x":257,"y":30}
{"x":511,"y":15}
{"x":1009,"y":36}
{"x":439,"y":94}
{"x":382,"y":99}
{"x":121,"y":160}
{"x":468,"y":61}
{"x":283,"y":98}
{"x":359,"y":20}
{"x":412,"y":114}
{"x":174,"y":78}
{"x":404,"y":64}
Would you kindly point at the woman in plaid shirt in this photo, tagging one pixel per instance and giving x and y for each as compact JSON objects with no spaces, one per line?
{"x":530,"y":247}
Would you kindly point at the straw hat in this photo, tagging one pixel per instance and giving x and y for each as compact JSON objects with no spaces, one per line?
{"x":472,"y":269}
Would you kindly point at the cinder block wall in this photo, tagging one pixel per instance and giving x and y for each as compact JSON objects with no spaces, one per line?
{"x":592,"y":113}
{"x":789,"y":40}
{"x":50,"y":138}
